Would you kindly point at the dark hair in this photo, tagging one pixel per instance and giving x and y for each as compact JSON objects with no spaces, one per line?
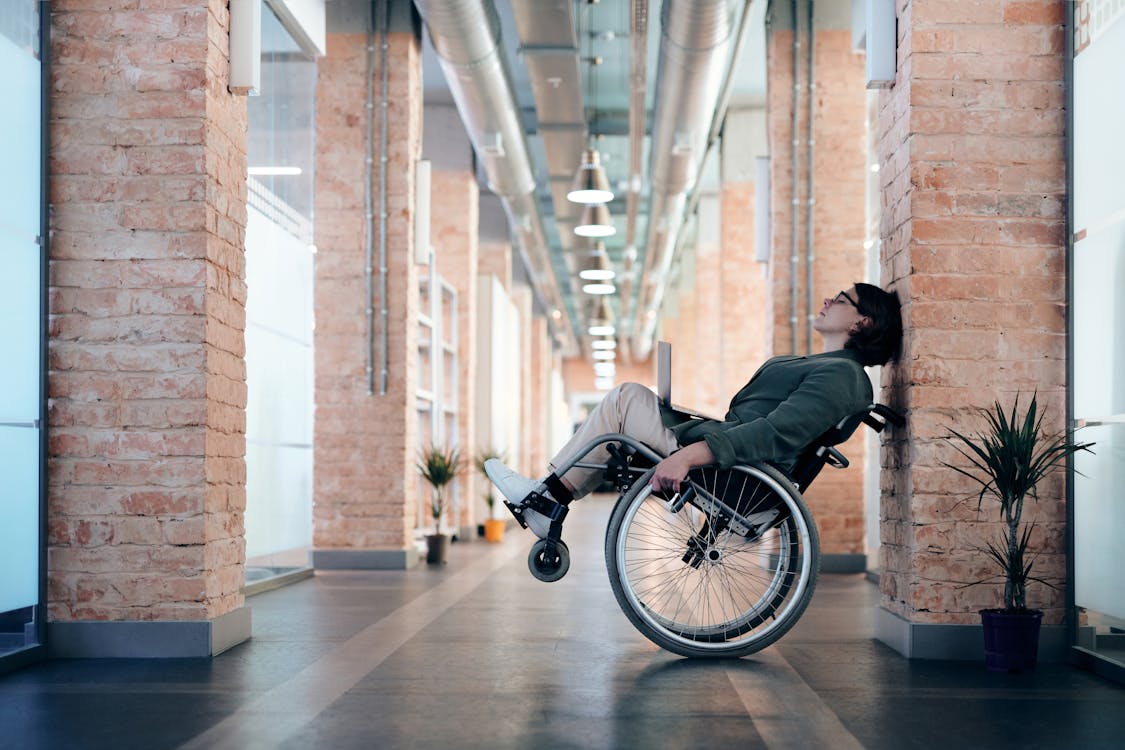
{"x":878,"y":342}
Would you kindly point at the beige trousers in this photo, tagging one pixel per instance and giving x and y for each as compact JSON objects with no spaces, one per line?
{"x":630,"y":409}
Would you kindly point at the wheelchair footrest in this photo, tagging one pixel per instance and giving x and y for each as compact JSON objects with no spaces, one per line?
{"x":553,"y":510}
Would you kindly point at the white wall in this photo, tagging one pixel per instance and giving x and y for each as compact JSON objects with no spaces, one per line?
{"x":498,"y":377}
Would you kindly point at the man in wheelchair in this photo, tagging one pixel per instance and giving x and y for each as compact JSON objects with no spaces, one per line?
{"x":788,"y":403}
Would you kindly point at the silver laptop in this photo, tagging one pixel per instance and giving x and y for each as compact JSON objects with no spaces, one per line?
{"x":664,"y":382}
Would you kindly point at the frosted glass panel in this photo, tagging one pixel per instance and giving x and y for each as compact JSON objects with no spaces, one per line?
{"x":21,"y":156}
{"x":1099,"y":160}
{"x":20,"y":139}
{"x":279,"y":498}
{"x":279,"y":303}
{"x":1099,"y":323}
{"x":1099,"y":512}
{"x":19,"y":508}
{"x":279,"y":371}
{"x":19,"y":336}
{"x":1098,"y":330}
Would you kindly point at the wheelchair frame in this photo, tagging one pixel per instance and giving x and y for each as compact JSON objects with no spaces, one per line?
{"x":549,"y":558}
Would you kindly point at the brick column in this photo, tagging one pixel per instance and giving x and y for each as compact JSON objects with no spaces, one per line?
{"x":453,"y":228}
{"x":838,"y":171}
{"x":495,"y":259}
{"x":743,"y":284}
{"x":146,"y":379}
{"x":973,"y":154}
{"x":710,"y":317}
{"x":365,"y":481}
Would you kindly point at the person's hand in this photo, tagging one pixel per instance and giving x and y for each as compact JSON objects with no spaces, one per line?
{"x":670,"y":472}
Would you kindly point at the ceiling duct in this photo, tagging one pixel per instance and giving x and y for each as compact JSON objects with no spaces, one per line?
{"x":466,"y":38}
{"x":549,"y":50}
{"x":694,"y":45}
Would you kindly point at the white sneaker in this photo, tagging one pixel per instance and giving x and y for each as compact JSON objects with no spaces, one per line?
{"x":516,"y":488}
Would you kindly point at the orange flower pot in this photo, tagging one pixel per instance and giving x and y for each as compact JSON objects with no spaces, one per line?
{"x":494,"y":530}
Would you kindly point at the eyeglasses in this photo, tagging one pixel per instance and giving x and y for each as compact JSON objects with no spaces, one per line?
{"x":846,"y":298}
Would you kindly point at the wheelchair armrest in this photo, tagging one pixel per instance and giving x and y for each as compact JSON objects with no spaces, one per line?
{"x":879,"y":415}
{"x":833,"y":457}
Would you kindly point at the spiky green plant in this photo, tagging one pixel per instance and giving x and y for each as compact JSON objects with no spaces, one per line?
{"x":439,"y":467}
{"x":479,"y":461}
{"x":1009,"y":459}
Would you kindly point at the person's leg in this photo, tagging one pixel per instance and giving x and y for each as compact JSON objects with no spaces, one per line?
{"x":629,"y":409}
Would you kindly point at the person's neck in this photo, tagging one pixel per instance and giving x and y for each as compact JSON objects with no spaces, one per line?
{"x":834,"y":341}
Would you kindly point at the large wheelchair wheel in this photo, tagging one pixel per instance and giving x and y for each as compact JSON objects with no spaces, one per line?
{"x":723,"y":575}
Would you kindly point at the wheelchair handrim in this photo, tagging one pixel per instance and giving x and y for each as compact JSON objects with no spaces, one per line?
{"x":794,"y":597}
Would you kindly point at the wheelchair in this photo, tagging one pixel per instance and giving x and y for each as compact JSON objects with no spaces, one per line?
{"x":721,"y":569}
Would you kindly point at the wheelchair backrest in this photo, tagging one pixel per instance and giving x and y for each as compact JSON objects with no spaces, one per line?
{"x":817,"y":454}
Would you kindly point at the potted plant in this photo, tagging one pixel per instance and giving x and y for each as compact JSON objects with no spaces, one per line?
{"x":438,"y":467}
{"x":493,"y":526}
{"x":1009,"y":459}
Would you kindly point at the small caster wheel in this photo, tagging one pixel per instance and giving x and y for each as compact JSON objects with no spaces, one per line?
{"x":548,"y":567}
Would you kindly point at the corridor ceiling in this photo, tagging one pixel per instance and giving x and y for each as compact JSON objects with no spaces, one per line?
{"x":602,"y":74}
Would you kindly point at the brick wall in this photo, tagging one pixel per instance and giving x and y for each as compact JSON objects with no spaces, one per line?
{"x":146,"y":379}
{"x":839,"y":170}
{"x":495,"y":259}
{"x":971,"y":140}
{"x":745,"y":292}
{"x":365,"y":449}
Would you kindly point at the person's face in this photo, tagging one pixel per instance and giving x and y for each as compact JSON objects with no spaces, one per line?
{"x":840,"y":314}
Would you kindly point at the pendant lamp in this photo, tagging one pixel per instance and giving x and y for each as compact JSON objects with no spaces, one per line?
{"x":594,"y":264}
{"x":590,"y":184}
{"x":601,"y":318}
{"x":596,"y":221}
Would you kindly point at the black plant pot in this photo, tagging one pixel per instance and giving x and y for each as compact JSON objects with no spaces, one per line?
{"x":435,"y":549}
{"x":1011,"y":639}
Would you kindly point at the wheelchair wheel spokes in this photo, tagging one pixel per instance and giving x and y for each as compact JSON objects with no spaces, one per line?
{"x":702,"y":581}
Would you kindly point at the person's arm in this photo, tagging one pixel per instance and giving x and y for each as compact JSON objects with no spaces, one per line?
{"x":822,"y":399}
{"x":672,"y":470}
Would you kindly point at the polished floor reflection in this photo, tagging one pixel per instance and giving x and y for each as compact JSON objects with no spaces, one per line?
{"x":480,"y":655}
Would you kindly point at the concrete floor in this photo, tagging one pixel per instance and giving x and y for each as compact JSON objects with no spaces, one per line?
{"x":478,"y":654}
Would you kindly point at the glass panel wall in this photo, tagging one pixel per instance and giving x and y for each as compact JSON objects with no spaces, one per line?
{"x":279,"y":307}
{"x":21,"y":264}
{"x":1098,"y":324}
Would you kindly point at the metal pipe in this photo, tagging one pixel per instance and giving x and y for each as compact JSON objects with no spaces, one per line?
{"x":795,"y":187}
{"x":1071,"y":604}
{"x":695,"y":38}
{"x":466,"y":38}
{"x":811,"y":198}
{"x":384,"y":23}
{"x":367,"y":199}
{"x":726,"y":90}
{"x":638,"y":76}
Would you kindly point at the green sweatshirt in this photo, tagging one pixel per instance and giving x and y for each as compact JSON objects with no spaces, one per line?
{"x":788,"y":403}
